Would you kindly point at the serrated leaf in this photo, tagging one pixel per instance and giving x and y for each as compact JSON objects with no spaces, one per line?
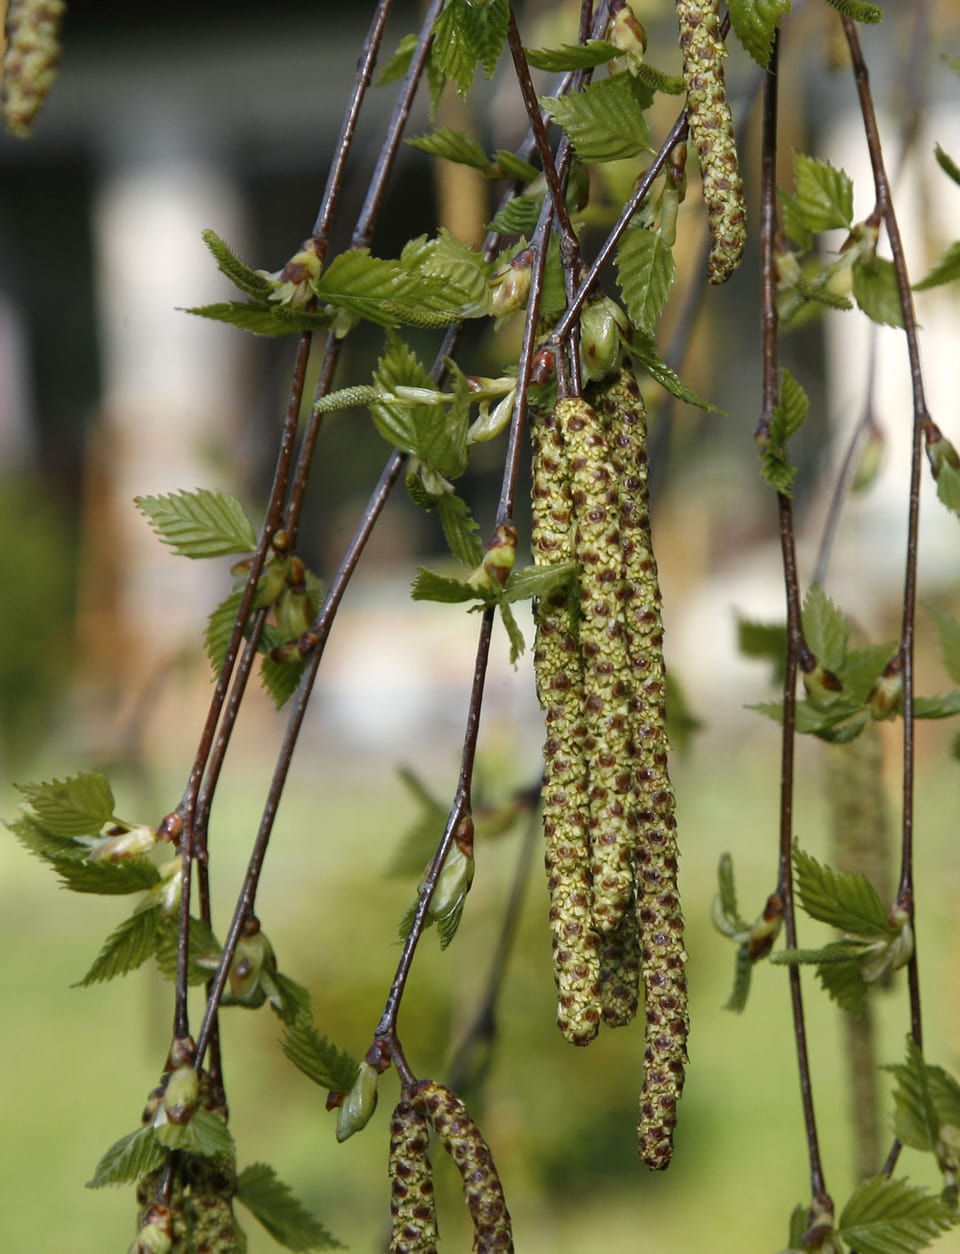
{"x":845,"y":900}
{"x":453,"y":146}
{"x":788,"y":417}
{"x":824,"y":195}
{"x":937,"y":707}
{"x":485,"y":28}
{"x":219,"y":628}
{"x":811,"y":720}
{"x":645,"y":273}
{"x":862,"y":667}
{"x":514,"y":634}
{"x":755,"y":23}
{"x":287,"y":1220}
{"x":947,"y":164}
{"x":451,"y":57}
{"x":399,"y":63}
{"x":430,"y":586}
{"x":53,"y":849}
{"x":281,"y":679}
{"x":948,"y":630}
{"x":890,"y":1216}
{"x":77,"y":806}
{"x":460,"y":529}
{"x":644,"y":351}
{"x":799,"y":1221}
{"x":390,"y":293}
{"x":844,"y":984}
{"x":133,"y":1156}
{"x":948,"y":487}
{"x":764,"y":641}
{"x":436,"y":433}
{"x":108,"y":879}
{"x":858,"y":10}
{"x":518,"y":217}
{"x":200,"y":523}
{"x":916,"y":1120}
{"x":572,"y":56}
{"x":206,"y":1135}
{"x":828,"y":955}
{"x":126,"y":948}
{"x":205,"y":950}
{"x":605,"y":121}
{"x":262,"y":319}
{"x":287,"y":998}
{"x":419,"y":842}
{"x":514,"y":167}
{"x":946,"y":270}
{"x":794,"y":224}
{"x":238,"y":272}
{"x":825,"y":629}
{"x":875,"y":291}
{"x":448,"y":924}
{"x":538,"y":581}
{"x":318,"y":1058}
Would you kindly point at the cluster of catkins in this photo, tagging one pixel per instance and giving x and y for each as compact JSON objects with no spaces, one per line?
{"x":412,"y":1205}
{"x":608,"y":806}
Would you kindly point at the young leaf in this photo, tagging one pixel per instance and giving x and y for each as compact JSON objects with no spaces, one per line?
{"x":890,"y":1216}
{"x":742,"y":976}
{"x":281,"y":679}
{"x":451,"y":57}
{"x":518,"y":217}
{"x":399,"y":63}
{"x":219,"y":628}
{"x":318,"y":1058}
{"x":204,"y":950}
{"x":271,"y":320}
{"x":727,"y":895}
{"x":538,"y":581}
{"x":937,"y":707}
{"x":77,"y":806}
{"x":948,"y":630}
{"x":287,"y":998}
{"x":452,"y":146}
{"x":824,"y":196}
{"x":390,"y":293}
{"x":108,"y":879}
{"x":875,"y":291}
{"x":645,"y":273}
{"x":605,"y":121}
{"x":825,"y":628}
{"x":572,"y":56}
{"x":200,"y":523}
{"x":945,"y":271}
{"x":948,"y":487}
{"x":764,"y":641}
{"x":656,"y":80}
{"x":788,"y":416}
{"x":858,"y":10}
{"x":862,"y":667}
{"x":133,"y":1156}
{"x":429,"y":586}
{"x":645,"y":352}
{"x":126,"y":948}
{"x":286,"y":1219}
{"x":460,"y":529}
{"x":206,"y":1135}
{"x":947,"y":164}
{"x":844,"y":899}
{"x":844,"y":984}
{"x":755,"y":23}
{"x":237,"y":271}
{"x":916,"y":1119}
{"x":517,"y":646}
{"x":513,"y":167}
{"x":54,"y":849}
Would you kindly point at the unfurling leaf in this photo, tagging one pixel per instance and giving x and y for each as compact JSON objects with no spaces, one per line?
{"x":452,"y":146}
{"x":644,"y":351}
{"x":572,"y":56}
{"x":205,"y":1134}
{"x":890,"y":1216}
{"x":824,"y":196}
{"x":128,"y":1159}
{"x":843,"y":899}
{"x":825,"y":629}
{"x":237,"y":271}
{"x":460,"y":529}
{"x":200,"y":523}
{"x":947,"y":163}
{"x":127,"y":947}
{"x":399,"y":63}
{"x":755,"y":23}
{"x":787,"y":418}
{"x":287,"y":1220}
{"x":876,"y":292}
{"x":606,"y":121}
{"x":858,"y":10}
{"x":78,"y":806}
{"x":108,"y":879}
{"x":645,"y":273}
{"x":204,"y":955}
{"x":925,"y":1098}
{"x":538,"y":581}
{"x":267,"y":319}
{"x":946,"y":270}
{"x":317,"y":1057}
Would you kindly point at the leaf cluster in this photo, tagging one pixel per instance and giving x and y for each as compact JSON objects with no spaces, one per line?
{"x":883,"y":1215}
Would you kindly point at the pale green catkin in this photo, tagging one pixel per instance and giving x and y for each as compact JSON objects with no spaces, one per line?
{"x":658,"y":912}
{"x":413,"y":1208}
{"x":464,"y":1142}
{"x":711,"y":128}
{"x":620,"y":973}
{"x":606,"y":677}
{"x":30,"y":60}
{"x":559,"y":673}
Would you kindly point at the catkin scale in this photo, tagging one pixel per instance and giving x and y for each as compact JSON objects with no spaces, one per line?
{"x":30,"y":60}
{"x":711,"y":128}
{"x":412,"y":1204}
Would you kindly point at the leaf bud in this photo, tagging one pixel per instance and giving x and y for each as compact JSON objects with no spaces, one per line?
{"x":180,"y":1094}
{"x":821,"y":685}
{"x":294,"y":612}
{"x":170,"y":827}
{"x":626,"y":33}
{"x":153,"y":1105}
{"x":183,"y":1052}
{"x":170,"y":888}
{"x":254,"y":955}
{"x":510,"y":286}
{"x":501,"y":553}
{"x":121,"y":843}
{"x":602,"y":327}
{"x":765,"y":931}
{"x":272,"y":582}
{"x":940,"y":452}
{"x":156,"y":1232}
{"x":359,"y":1104}
{"x":786,"y":268}
{"x":542,"y":367}
{"x":293,"y":285}
{"x":886,"y":695}
{"x":677,"y":169}
{"x":493,"y":418}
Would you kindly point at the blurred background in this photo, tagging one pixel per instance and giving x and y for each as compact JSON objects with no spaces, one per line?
{"x":164,"y":122}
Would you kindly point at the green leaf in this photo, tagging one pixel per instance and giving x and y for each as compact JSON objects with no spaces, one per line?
{"x":875,"y":291}
{"x":429,"y":586}
{"x":916,"y":1119}
{"x":399,"y":63}
{"x":430,"y":431}
{"x":54,"y":849}
{"x":318,"y":1058}
{"x":515,"y":636}
{"x":126,"y":948}
{"x":287,"y":1220}
{"x":460,"y":529}
{"x":518,"y":217}
{"x":858,"y":11}
{"x":448,"y":924}
{"x":206,"y":1135}
{"x":272,"y":320}
{"x":107,"y":879}
{"x":287,"y":998}
{"x":205,"y":950}
{"x":889,"y":1216}
{"x":824,"y":196}
{"x":812,"y":720}
{"x":946,"y":270}
{"x":605,"y":121}
{"x":755,"y":23}
{"x":281,"y":679}
{"x":825,"y":629}
{"x":133,"y":1156}
{"x":764,"y":641}
{"x":538,"y":581}
{"x":219,"y":628}
{"x":862,"y":667}
{"x":948,"y":629}
{"x":828,"y":955}
{"x":657,"y":80}
{"x":451,"y":57}
{"x":645,"y":273}
{"x":937,"y":707}
{"x":948,"y":487}
{"x":452,"y":146}
{"x":390,"y":293}
{"x":947,"y":164}
{"x":843,"y":899}
{"x":788,"y":417}
{"x":572,"y":56}
{"x":237,"y":271}
{"x":844,"y":984}
{"x":77,"y":806}
{"x":645,"y":352}
{"x":727,"y":893}
{"x":200,"y":523}
{"x":513,"y":167}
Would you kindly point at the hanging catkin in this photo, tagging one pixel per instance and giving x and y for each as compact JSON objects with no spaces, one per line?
{"x":711,"y":127}
{"x":559,"y":672}
{"x":413,"y":1208}
{"x":30,"y":60}
{"x":658,"y":913}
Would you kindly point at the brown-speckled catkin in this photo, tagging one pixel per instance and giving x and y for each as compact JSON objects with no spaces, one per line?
{"x":413,"y":1209}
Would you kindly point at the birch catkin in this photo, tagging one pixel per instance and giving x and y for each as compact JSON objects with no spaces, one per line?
{"x":711,"y":127}
{"x":30,"y":60}
{"x":413,"y":1207}
{"x":559,"y":671}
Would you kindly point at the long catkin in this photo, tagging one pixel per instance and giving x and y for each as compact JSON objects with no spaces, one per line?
{"x":413,"y":1208}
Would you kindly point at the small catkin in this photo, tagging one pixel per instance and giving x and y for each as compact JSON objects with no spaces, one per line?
{"x":413,"y":1208}
{"x":711,"y":128}
{"x":463,"y":1141}
{"x":559,"y":672}
{"x":607,"y":688}
{"x":30,"y":60}
{"x":658,"y":913}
